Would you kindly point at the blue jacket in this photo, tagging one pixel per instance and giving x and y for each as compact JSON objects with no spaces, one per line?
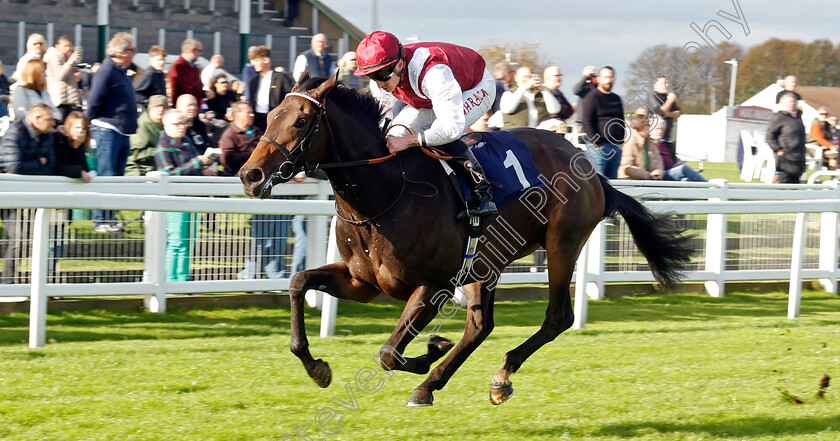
{"x":111,"y":98}
{"x":21,"y":150}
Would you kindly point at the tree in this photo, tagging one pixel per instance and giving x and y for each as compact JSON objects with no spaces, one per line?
{"x":692,"y":79}
{"x":521,"y":54}
{"x":768,"y":62}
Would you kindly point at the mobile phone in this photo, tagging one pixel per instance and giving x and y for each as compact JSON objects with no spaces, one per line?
{"x":79,"y":49}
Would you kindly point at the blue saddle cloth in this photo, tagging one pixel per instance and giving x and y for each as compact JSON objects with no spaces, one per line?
{"x":506,"y":161}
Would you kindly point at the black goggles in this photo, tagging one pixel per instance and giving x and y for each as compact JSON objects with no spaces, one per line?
{"x":383,"y":74}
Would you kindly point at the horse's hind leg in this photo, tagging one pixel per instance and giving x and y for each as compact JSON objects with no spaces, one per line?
{"x":558,"y":317}
{"x":336,"y":280}
{"x":479,"y":325}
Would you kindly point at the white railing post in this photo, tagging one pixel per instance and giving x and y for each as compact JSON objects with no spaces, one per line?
{"x":38,"y":279}
{"x":162,"y":37}
{"x":716,"y":243}
{"x":581,"y":306}
{"x":269,"y":41}
{"x":329,"y":305}
{"x":796,"y":261}
{"x":595,"y":255}
{"x":829,"y":244}
{"x":155,"y":258}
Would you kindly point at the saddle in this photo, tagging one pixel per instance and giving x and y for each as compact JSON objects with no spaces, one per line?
{"x":507,"y":163}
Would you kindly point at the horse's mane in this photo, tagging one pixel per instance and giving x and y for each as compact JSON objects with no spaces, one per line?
{"x":365,"y":108}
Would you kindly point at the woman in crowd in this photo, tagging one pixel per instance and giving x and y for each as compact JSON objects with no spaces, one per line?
{"x":71,"y":142}
{"x":32,"y":89}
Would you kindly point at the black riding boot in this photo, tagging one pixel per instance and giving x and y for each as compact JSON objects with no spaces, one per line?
{"x":481,"y":203}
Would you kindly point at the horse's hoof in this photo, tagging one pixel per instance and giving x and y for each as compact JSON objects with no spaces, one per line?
{"x":321,"y":373}
{"x":440,"y":344}
{"x":420,"y":398}
{"x":499,"y":393}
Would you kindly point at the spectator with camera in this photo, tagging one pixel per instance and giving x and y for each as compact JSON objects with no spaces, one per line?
{"x":61,"y":62}
{"x":529,"y":103}
{"x":588,"y":83}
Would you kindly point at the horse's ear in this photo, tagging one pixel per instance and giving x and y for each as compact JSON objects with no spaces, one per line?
{"x":303,"y":77}
{"x":325,"y":88}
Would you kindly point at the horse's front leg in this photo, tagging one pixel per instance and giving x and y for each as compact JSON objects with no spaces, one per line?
{"x":334,"y":279}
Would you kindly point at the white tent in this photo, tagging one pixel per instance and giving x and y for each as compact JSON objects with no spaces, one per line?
{"x":715,"y":137}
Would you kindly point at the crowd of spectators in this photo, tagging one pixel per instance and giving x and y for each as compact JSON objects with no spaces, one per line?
{"x":68,"y":120}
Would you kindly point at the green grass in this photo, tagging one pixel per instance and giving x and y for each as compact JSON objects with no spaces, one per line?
{"x":654,"y":367}
{"x":726,"y":170}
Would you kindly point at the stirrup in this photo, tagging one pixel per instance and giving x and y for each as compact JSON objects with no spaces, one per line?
{"x":481,"y":203}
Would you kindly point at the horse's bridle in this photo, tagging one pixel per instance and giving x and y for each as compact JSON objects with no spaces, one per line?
{"x":290,"y":164}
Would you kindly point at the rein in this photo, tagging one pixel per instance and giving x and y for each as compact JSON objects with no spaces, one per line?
{"x":293,"y":167}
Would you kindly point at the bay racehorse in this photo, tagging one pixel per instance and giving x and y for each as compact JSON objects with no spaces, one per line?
{"x":398,"y":230}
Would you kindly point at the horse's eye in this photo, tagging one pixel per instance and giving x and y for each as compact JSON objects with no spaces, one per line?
{"x":300,"y":123}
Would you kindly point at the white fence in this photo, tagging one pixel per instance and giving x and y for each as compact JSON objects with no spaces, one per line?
{"x":711,"y":203}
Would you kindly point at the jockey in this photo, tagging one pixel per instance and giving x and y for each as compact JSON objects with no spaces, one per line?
{"x":446,"y":89}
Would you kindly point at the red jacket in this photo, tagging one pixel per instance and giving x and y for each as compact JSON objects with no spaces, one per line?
{"x":185,"y":79}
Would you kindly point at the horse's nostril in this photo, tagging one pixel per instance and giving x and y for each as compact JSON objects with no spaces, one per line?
{"x":254,"y":175}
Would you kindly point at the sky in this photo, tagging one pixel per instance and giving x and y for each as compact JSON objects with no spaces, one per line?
{"x":575,"y":34}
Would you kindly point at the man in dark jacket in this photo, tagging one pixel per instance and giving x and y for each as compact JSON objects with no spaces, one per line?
{"x":268,"y":87}
{"x":602,"y":113}
{"x":26,"y":149}
{"x":112,"y":110}
{"x":786,"y":136}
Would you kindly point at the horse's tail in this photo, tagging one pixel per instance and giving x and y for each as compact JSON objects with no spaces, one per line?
{"x":664,"y":244}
